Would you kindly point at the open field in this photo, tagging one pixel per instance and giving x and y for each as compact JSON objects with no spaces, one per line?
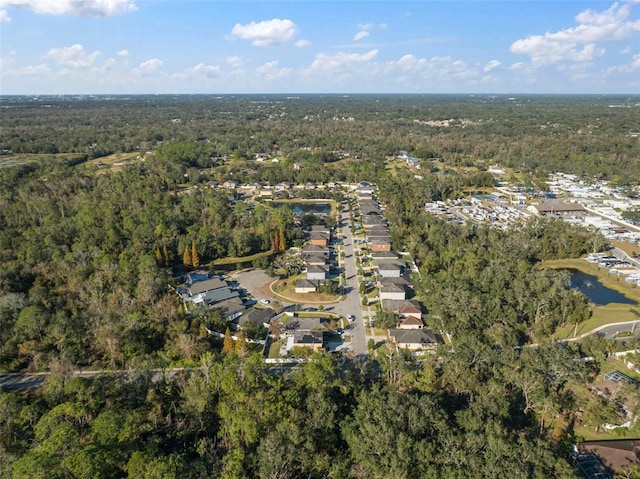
{"x":241,"y":259}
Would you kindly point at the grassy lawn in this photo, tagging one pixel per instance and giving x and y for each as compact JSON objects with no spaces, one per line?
{"x":241,"y":259}
{"x":601,"y":315}
{"x":629,"y":248}
{"x":274,"y":348}
{"x":285,"y":288}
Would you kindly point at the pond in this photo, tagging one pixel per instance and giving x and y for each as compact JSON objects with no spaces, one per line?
{"x":593,"y":289}
{"x":307,"y":208}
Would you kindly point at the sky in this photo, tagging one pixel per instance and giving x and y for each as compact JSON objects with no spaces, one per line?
{"x":319,"y":46}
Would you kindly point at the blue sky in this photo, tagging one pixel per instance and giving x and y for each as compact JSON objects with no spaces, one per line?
{"x":212,"y":46}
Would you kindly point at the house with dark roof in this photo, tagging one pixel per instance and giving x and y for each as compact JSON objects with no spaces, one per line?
{"x":204,"y":286}
{"x":314,"y":260}
{"x":392,"y":291}
{"x":413,"y":339}
{"x":306,"y":339}
{"x":312,"y":249}
{"x":558,"y":207}
{"x":261,"y":316}
{"x":231,"y":308}
{"x":214,"y":296}
{"x":303,"y":285}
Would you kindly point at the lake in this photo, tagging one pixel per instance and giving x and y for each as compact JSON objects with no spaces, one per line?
{"x":307,"y":208}
{"x":593,"y":289}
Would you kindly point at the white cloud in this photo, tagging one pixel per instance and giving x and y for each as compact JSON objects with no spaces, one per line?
{"x":92,"y":8}
{"x":302,"y":43}
{"x":340,"y":62}
{"x":41,"y":70}
{"x":123,"y":53}
{"x":630,"y":67}
{"x":148,"y":67}
{"x":271,"y":71}
{"x":203,"y":71}
{"x":492,"y":65}
{"x":360,"y":35}
{"x":236,"y":61}
{"x":516,"y":66}
{"x":626,"y":50}
{"x":267,"y":33}
{"x":73,"y":56}
{"x":407,"y":63}
{"x":577,"y":44}
{"x":4,"y":16}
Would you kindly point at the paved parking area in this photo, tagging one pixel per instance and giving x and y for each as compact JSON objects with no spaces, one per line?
{"x":256,"y":282}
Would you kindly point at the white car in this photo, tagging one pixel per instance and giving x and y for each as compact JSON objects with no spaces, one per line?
{"x":351,"y":317}
{"x":265,"y":301}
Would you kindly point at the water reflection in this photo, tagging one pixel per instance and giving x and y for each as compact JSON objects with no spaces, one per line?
{"x":593,"y":289}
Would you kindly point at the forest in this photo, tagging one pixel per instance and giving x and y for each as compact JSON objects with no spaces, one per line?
{"x":90,"y":256}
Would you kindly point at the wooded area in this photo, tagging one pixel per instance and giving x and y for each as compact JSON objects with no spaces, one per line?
{"x":89,"y":258}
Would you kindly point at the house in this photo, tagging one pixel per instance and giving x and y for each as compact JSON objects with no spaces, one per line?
{"x":558,"y":207}
{"x":314,"y":259}
{"x":305,"y":286}
{"x":373,"y":220}
{"x":392,"y":291}
{"x":320,"y":229}
{"x":389,"y":270}
{"x":403,"y":308}
{"x":616,"y":455}
{"x":312,"y":249}
{"x":199,"y":287}
{"x":283,"y":185}
{"x":384,"y":255}
{"x":380,"y":244}
{"x":413,"y":339}
{"x":259,"y":316}
{"x":317,"y":273}
{"x":377,"y":232}
{"x":260,"y":157}
{"x":387,"y":281}
{"x":231,"y":308}
{"x":306,"y":339}
{"x":319,"y":239}
{"x":214,"y":296}
{"x":230,"y":184}
{"x":298,"y":323}
{"x":309,"y":186}
{"x":411,"y":322}
{"x":333,"y":184}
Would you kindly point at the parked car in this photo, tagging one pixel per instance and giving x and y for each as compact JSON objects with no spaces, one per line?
{"x":351,"y":318}
{"x":265,"y":301}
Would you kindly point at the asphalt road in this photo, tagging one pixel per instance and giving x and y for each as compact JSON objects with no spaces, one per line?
{"x":352,"y":303}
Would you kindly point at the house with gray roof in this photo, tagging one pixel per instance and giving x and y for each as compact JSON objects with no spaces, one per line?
{"x":413,"y":339}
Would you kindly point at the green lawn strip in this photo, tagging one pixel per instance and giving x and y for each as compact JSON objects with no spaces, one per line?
{"x":241,"y":259}
{"x":601,"y":315}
